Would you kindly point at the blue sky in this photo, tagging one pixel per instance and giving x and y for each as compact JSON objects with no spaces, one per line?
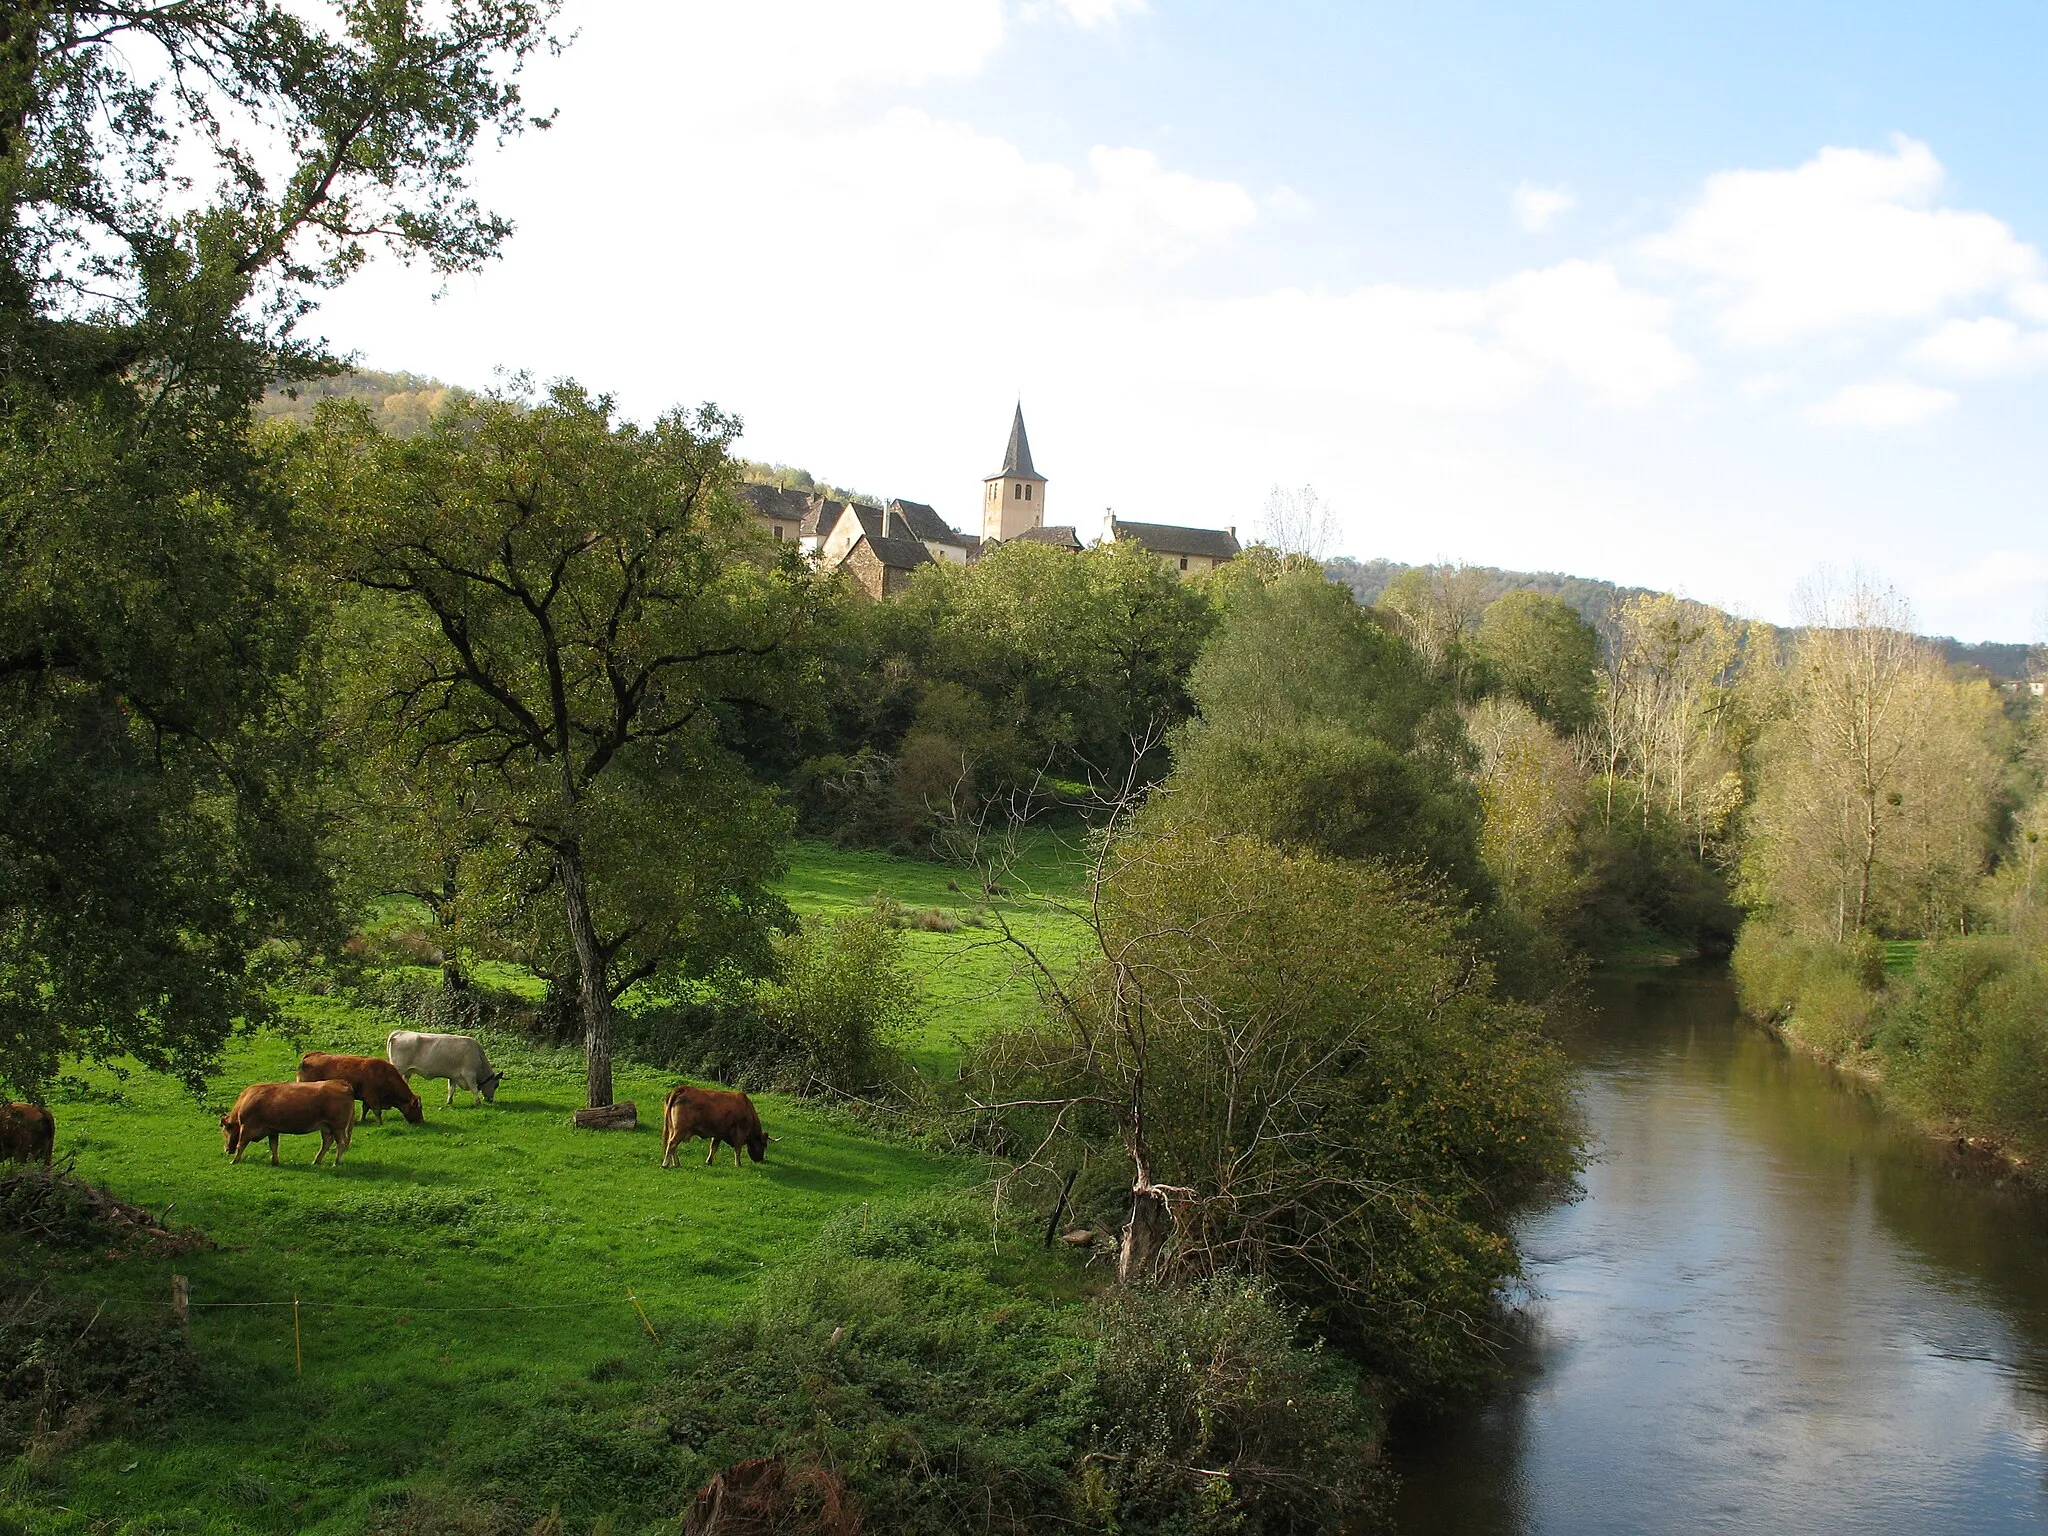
{"x":1700,"y":298}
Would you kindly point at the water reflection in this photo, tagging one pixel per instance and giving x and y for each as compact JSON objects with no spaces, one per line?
{"x":1775,"y":1310}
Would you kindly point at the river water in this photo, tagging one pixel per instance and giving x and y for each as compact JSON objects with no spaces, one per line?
{"x":1776,"y":1309}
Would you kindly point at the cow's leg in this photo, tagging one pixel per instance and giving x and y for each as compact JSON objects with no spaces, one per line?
{"x":668,"y":1138}
{"x":364,"y":1106}
{"x":711,"y":1156}
{"x":451,"y":1093}
{"x":241,"y":1144}
{"x":326,"y":1136}
{"x":273,"y":1149}
{"x":735,"y":1152}
{"x":341,"y":1143}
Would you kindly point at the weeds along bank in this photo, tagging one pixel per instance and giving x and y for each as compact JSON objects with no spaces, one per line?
{"x":1951,"y":1030}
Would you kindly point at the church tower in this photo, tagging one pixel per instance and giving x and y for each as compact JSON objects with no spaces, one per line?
{"x":1013,"y":498}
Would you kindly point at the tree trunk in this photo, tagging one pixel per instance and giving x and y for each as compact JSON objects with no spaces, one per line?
{"x":1144,"y":1234}
{"x":590,"y":961}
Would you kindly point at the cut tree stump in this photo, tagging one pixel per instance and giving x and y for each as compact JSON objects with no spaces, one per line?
{"x":609,"y":1117}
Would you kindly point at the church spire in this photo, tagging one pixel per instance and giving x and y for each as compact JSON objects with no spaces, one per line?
{"x":1013,"y":498}
{"x":1017,"y":457}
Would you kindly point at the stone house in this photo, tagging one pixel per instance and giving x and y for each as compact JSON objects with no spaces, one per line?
{"x":1190,"y":551}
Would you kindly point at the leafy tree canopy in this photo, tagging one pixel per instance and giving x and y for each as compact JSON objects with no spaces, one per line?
{"x":152,"y":716}
{"x":572,"y":606}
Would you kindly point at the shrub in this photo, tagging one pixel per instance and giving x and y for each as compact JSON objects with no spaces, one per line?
{"x":1823,"y":994}
{"x":844,"y":997}
{"x":1965,"y":1041}
{"x":725,"y":1039}
{"x":68,"y":1371}
{"x":1212,"y":1415}
{"x":942,"y":1401}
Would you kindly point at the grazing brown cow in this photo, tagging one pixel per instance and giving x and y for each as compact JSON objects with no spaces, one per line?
{"x":726,"y":1117}
{"x":28,"y":1134}
{"x":290,"y":1109}
{"x":373,"y":1080}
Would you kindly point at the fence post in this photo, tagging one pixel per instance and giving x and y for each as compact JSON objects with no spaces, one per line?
{"x":181,"y":1306}
{"x":643,"y":1314}
{"x":298,"y":1352}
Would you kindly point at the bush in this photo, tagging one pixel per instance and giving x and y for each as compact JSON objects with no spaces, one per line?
{"x":844,"y":997}
{"x":726,"y":1040}
{"x":1823,"y":994}
{"x":1966,"y":1041}
{"x":1213,"y":1416}
{"x":67,"y":1371}
{"x":940,"y":1400}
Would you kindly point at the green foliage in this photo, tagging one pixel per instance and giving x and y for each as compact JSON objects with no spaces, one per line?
{"x":1964,"y":1041}
{"x":1320,"y":730}
{"x":890,"y":1356}
{"x":844,"y":995}
{"x":560,"y":661}
{"x":1822,"y":993}
{"x":68,"y":1373}
{"x":402,"y":404}
{"x":1214,"y":1416}
{"x":980,"y":680}
{"x":1644,"y":876}
{"x":1316,"y":1062}
{"x":1538,"y":649}
{"x":153,"y":718}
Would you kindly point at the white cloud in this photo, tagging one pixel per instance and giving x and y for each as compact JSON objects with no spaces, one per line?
{"x":1986,"y":347}
{"x":1087,"y":14}
{"x":1880,"y":404}
{"x":1537,"y":208}
{"x":1581,"y":317}
{"x":1848,"y":238}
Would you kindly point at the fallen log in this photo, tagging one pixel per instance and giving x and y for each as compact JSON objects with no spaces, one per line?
{"x":622,"y":1116}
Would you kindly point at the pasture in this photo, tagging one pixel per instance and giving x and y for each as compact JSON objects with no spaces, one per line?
{"x":463,"y":1319}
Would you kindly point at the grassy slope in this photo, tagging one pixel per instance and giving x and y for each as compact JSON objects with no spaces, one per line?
{"x":494,"y":1208}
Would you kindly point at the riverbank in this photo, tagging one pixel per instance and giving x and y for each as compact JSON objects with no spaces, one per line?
{"x":1774,"y":1308}
{"x":1947,"y":1033}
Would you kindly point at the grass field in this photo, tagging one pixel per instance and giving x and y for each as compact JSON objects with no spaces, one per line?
{"x":462,"y":1285}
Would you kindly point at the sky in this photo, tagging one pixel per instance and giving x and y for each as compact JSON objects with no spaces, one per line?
{"x":1699,"y":298}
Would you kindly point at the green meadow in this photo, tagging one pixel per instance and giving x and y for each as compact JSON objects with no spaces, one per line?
{"x":465,"y":1289}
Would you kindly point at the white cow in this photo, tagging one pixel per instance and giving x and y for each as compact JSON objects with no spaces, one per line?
{"x":456,"y":1057}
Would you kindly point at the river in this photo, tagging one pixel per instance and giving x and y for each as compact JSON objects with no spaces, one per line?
{"x":1776,"y":1309}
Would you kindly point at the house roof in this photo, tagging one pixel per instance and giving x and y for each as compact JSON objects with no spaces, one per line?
{"x":1060,"y":535}
{"x":922,"y":523}
{"x":777,"y":502}
{"x":1017,"y":457}
{"x":1169,"y":539}
{"x":898,"y":554}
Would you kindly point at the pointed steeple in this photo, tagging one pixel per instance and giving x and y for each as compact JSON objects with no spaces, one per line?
{"x":1017,"y":457}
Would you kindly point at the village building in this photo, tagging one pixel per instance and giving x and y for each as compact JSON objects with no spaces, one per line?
{"x":879,"y":547}
{"x":1190,"y":551}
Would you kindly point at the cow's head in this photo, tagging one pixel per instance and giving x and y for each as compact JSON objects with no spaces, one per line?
{"x":410,"y":1108}
{"x":757,"y":1145}
{"x":489,"y":1087}
{"x":228,"y":1127}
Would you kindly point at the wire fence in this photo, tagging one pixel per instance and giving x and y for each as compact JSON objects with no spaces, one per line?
{"x":181,"y":1306}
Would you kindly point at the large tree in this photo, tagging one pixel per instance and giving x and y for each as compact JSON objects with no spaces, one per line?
{"x":1322,"y":730}
{"x":576,"y":604}
{"x":1874,"y":807}
{"x":178,"y":178}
